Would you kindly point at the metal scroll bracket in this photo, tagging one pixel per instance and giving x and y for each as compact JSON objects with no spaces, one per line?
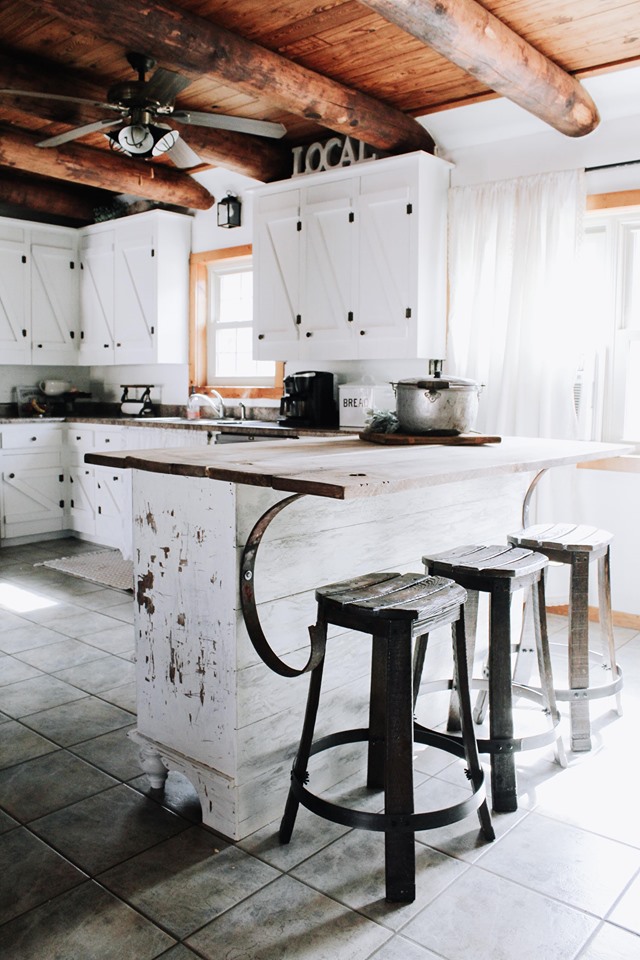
{"x":526,"y":503}
{"x":248,"y":601}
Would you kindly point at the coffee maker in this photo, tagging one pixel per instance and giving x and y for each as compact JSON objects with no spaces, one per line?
{"x":309,"y":400}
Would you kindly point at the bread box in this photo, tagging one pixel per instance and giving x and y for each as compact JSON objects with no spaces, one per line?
{"x":356,"y":399}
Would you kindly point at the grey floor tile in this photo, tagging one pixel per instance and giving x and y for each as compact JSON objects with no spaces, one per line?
{"x":105,"y":598}
{"x":311,"y":834}
{"x":43,"y":874}
{"x":106,"y":829}
{"x":122,"y":611}
{"x":288,"y":919}
{"x":557,"y":859}
{"x":119,"y":638}
{"x":18,"y":743}
{"x":612,"y":943}
{"x":101,"y":674}
{"x":37,"y":787}
{"x":86,"y":923}
{"x":56,"y":656}
{"x":40,"y":693}
{"x":188,"y":880}
{"x":180,"y":952}
{"x":352,"y":871}
{"x":484,"y":917}
{"x":399,"y":948}
{"x":13,"y":670}
{"x":113,"y":752}
{"x":122,"y":696}
{"x":80,"y":622}
{"x":25,"y":635}
{"x":627,"y":911}
{"x":7,"y":823}
{"x":80,"y":720}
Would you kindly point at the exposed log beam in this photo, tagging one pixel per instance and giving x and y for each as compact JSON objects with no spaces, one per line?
{"x":55,"y":199}
{"x":97,"y":168}
{"x":471,"y":37}
{"x":252,"y":156}
{"x":190,"y":44}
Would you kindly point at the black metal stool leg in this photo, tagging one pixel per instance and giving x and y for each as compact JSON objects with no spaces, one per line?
{"x":299,"y":770}
{"x":471,"y":630}
{"x":461,"y":673}
{"x":377,"y":714}
{"x":400,"y":854}
{"x":419,"y":654}
{"x":503,"y":770}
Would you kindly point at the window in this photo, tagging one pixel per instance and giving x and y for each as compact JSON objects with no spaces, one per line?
{"x":221,"y":327}
{"x":612,"y":321}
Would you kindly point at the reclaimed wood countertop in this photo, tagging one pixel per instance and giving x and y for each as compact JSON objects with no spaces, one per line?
{"x":344,"y":468}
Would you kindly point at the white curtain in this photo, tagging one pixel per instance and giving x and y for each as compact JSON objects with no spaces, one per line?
{"x":514,"y":317}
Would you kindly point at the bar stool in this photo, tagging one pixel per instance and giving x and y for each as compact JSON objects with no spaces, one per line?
{"x":578,"y":546}
{"x":395,"y":609}
{"x":500,"y":571}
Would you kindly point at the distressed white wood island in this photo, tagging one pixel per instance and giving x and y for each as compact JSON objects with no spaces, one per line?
{"x":207,"y":704}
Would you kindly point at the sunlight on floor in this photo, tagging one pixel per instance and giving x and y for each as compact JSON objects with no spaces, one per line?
{"x":22,"y":601}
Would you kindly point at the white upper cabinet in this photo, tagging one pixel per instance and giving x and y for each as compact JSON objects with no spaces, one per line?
{"x":54,"y":296}
{"x":15,"y":334}
{"x":361,"y":272}
{"x":38,"y":293}
{"x":97,"y":257}
{"x":135,"y":290}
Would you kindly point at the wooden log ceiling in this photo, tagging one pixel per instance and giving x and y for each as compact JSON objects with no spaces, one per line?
{"x":468,"y":35}
{"x":97,"y":168}
{"x":194,"y":46}
{"x":360,"y":67}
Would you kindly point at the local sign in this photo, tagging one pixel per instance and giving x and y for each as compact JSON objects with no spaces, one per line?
{"x":333,"y":153}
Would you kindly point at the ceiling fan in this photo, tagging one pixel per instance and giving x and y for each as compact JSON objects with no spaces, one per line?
{"x":139,"y":103}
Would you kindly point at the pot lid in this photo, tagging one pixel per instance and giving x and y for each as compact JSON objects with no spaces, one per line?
{"x":440,"y":383}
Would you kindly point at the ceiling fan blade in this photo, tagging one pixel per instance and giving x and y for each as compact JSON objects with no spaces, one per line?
{"x":77,"y":132}
{"x":57,"y":96}
{"x":183,"y":156}
{"x":165,"y":85}
{"x":221,"y":121}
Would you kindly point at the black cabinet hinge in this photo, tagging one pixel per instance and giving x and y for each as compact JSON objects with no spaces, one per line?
{"x":352,"y":216}
{"x":72,"y":504}
{"x":61,"y":504}
{"x":409,"y":208}
{"x":298,"y":319}
{"x":407,"y":312}
{"x":153,"y":252}
{"x":299,"y":226}
{"x":61,"y":478}
{"x":24,"y":258}
{"x":350,"y":316}
{"x":72,"y":265}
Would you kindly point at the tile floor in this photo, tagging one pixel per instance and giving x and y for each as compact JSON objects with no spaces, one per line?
{"x":95,"y":866}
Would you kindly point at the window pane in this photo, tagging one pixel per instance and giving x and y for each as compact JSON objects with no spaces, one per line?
{"x":230,"y":336}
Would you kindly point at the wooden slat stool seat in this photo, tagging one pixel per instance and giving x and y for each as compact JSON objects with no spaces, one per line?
{"x":394,"y":609}
{"x":500,"y":571}
{"x":579,"y":545}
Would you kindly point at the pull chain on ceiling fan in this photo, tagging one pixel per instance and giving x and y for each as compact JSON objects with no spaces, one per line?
{"x":139,"y":103}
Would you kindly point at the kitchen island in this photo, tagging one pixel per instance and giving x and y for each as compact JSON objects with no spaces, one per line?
{"x":207,"y":704}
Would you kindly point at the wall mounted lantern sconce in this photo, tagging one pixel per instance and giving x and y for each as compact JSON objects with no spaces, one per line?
{"x":229,"y":211}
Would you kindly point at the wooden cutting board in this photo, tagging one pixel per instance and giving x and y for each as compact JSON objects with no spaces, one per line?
{"x":406,"y":439}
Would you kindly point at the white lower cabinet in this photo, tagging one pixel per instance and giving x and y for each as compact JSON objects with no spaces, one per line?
{"x":46,"y":486}
{"x":33,"y":490}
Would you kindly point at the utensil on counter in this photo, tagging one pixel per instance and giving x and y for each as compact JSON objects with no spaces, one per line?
{"x":54,"y":388}
{"x":437,"y":405}
{"x":136,"y":406}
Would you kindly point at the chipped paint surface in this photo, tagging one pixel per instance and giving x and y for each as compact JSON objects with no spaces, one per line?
{"x":206,"y":704}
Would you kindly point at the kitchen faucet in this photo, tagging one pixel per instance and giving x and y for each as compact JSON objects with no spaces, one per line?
{"x":197,"y":400}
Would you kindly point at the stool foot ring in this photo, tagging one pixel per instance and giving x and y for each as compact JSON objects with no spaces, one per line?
{"x":382,"y":822}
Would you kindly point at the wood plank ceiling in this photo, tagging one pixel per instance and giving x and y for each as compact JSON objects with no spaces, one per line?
{"x":52,"y":46}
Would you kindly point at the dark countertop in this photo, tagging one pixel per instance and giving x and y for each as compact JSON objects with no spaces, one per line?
{"x":265,"y":428}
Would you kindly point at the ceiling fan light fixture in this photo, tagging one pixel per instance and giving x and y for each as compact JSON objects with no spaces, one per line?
{"x":142,"y":140}
{"x":164,"y":140}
